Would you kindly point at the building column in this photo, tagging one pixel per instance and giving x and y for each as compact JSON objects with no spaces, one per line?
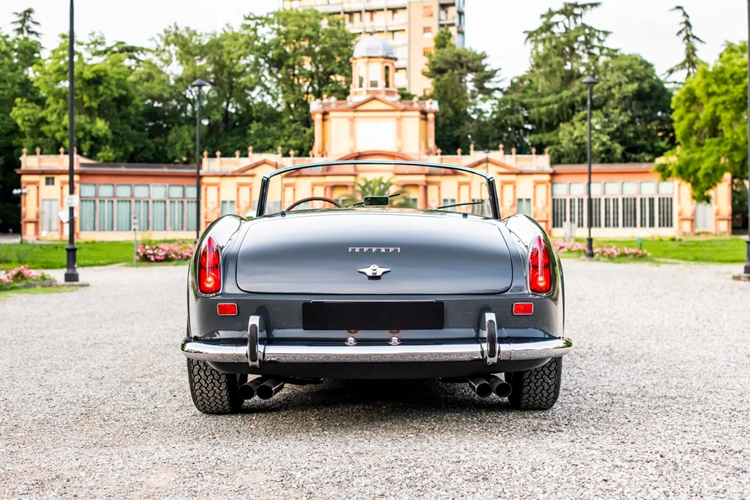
{"x":318,"y":144}
{"x":431,"y":133}
{"x":423,"y":196}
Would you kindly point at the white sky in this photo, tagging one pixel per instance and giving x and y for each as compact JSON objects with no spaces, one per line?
{"x":646,"y":27}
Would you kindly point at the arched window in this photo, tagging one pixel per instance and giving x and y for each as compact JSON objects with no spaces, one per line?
{"x":388,"y":83}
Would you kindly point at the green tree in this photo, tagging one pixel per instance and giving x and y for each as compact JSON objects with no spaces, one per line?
{"x":710,"y":121}
{"x":564,"y":50}
{"x":630,"y":118}
{"x":301,"y":55}
{"x":461,"y":80}
{"x":17,"y":56}
{"x":376,"y":187}
{"x":108,"y":106}
{"x":25,"y":24}
{"x":546,"y":107}
{"x":691,"y":62}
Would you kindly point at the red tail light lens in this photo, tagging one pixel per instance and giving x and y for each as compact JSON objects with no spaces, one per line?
{"x":540,"y":279}
{"x":209,"y":268}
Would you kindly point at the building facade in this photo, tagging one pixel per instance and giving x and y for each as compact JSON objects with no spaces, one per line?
{"x":159,"y":201}
{"x":408,"y":25}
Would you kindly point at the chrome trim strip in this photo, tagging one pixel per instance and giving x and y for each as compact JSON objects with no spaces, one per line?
{"x":372,"y":353}
{"x":222,"y":353}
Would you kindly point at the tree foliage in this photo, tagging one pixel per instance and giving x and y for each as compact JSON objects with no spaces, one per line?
{"x":376,"y":187}
{"x":18,"y":54}
{"x":546,"y":106}
{"x":461,"y":81}
{"x":135,"y":104}
{"x":25,"y":24}
{"x":691,"y":62}
{"x":710,"y":121}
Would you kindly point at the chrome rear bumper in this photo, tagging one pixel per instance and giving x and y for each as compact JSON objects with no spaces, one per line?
{"x":258,"y":352}
{"x":270,"y":353}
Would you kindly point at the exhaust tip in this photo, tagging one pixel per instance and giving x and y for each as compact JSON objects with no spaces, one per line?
{"x":249,"y":389}
{"x":267,"y":389}
{"x":481,"y":387}
{"x":500,"y":387}
{"x":503,"y":389}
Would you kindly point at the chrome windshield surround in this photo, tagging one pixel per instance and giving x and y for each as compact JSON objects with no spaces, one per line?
{"x":491,"y":190}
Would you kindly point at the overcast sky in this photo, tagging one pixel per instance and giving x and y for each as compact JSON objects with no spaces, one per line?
{"x":646,"y":27}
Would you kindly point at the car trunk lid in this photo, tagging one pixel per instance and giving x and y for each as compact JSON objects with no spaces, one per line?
{"x":425,"y":254}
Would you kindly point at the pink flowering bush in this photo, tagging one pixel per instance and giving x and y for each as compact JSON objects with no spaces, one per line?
{"x":165,"y":252}
{"x":608,"y":252}
{"x":19,"y":276}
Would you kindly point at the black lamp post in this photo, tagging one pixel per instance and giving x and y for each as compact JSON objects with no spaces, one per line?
{"x":590,"y":81}
{"x":747,"y":242}
{"x":21,"y":193}
{"x":198,"y":86}
{"x":71,"y":273}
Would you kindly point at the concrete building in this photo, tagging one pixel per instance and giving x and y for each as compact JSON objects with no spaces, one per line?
{"x":409,"y":25}
{"x":373,"y":123}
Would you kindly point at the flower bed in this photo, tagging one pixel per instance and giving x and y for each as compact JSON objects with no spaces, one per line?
{"x":607,"y":252}
{"x":20,"y":277}
{"x":165,"y":252}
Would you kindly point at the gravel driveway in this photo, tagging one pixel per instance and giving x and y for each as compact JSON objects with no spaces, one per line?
{"x":655,"y":404}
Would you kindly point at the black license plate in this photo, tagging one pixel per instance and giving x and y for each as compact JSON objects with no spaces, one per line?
{"x":372,"y":316}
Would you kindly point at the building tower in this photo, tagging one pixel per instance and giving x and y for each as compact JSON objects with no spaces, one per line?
{"x":373,"y":69}
{"x":409,"y":25}
{"x":373,"y":118}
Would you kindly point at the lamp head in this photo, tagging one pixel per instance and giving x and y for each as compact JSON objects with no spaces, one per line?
{"x":199,"y":84}
{"x":590,"y":80}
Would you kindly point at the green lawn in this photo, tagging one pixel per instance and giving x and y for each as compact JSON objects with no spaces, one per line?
{"x":692,"y":249}
{"x":52,"y":255}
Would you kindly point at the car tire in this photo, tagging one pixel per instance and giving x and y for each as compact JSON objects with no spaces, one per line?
{"x":213,"y":392}
{"x":536,"y":389}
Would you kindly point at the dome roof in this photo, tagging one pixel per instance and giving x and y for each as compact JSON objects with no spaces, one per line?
{"x":373,"y":46}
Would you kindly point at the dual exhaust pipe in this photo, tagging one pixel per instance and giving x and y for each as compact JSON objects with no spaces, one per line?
{"x":486,"y":387}
{"x":268,"y":388}
{"x":261,"y":387}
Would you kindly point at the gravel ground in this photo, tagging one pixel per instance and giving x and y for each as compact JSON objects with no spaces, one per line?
{"x":655,"y":404}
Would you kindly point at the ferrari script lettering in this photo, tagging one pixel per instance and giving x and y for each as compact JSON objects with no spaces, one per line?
{"x":374,"y":249}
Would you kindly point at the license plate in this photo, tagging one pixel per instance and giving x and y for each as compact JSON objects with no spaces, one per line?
{"x":426,"y":315}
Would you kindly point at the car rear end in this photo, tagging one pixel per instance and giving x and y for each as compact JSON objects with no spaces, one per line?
{"x":455,"y":302}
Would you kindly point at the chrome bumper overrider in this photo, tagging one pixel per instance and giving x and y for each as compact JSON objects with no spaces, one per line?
{"x":257,"y":352}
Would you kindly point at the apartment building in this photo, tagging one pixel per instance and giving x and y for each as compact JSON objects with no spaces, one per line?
{"x":409,"y":25}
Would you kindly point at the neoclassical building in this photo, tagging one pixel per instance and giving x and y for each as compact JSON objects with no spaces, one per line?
{"x":372,"y":124}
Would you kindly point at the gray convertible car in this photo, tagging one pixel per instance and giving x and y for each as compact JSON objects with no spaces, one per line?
{"x":372,"y":289}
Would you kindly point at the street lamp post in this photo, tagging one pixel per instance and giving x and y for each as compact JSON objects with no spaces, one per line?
{"x":747,"y":242}
{"x":71,"y":273}
{"x":21,"y":193}
{"x":198,"y":86}
{"x":590,"y":81}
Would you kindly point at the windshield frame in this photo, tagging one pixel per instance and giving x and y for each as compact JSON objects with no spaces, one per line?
{"x":491,"y":190}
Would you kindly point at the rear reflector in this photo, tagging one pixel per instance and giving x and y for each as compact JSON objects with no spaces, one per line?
{"x":227,"y":309}
{"x":523,"y":308}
